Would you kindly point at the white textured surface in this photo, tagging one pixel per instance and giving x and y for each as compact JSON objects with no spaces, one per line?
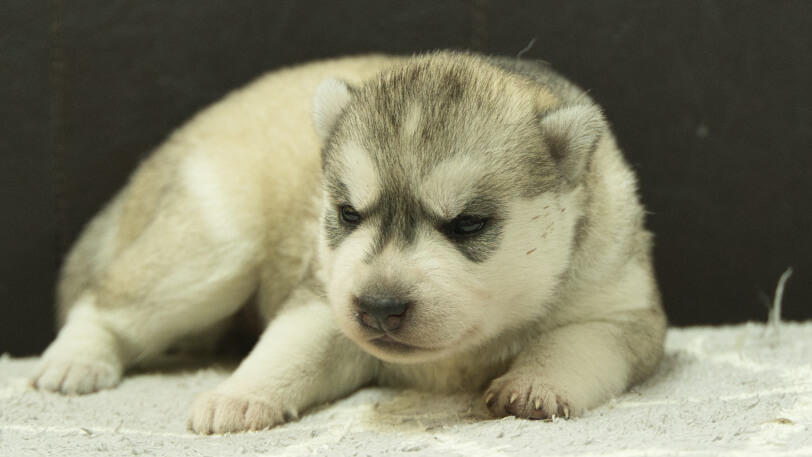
{"x":730,"y":391}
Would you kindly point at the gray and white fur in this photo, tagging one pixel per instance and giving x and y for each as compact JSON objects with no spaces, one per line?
{"x":448,"y":222}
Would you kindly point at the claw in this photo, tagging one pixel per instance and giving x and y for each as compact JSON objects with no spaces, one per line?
{"x":537,"y":403}
{"x":489,"y":399}
{"x":513,"y":398}
{"x":566,"y":411}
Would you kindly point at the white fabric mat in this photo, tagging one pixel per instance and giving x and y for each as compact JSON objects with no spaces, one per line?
{"x":724,"y":391}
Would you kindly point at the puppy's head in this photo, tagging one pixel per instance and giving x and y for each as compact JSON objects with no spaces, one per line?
{"x":451,"y":190}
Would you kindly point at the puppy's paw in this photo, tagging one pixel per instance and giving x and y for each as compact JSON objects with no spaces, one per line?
{"x":528,"y":397}
{"x":214,"y":413}
{"x":76,"y":374}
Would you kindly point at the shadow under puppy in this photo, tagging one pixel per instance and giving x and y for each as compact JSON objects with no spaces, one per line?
{"x":453,"y":222}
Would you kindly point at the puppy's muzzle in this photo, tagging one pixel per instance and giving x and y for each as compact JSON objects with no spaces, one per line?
{"x":382,"y":313}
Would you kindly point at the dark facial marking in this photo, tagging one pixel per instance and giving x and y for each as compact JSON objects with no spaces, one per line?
{"x":478,"y":246}
{"x":398,"y":217}
{"x":349,"y":216}
{"x":466,"y":225}
{"x":340,"y":218}
{"x":476,"y":231}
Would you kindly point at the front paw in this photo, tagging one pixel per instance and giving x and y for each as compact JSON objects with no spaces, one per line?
{"x":76,"y":376}
{"x":528,"y":397}
{"x":216,"y":413}
{"x":73,"y":368}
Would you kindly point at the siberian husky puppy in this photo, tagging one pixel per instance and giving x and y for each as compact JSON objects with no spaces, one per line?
{"x":453,"y":222}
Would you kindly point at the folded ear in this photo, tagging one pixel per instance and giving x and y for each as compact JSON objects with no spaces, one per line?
{"x":331,"y":99}
{"x":572,"y":134}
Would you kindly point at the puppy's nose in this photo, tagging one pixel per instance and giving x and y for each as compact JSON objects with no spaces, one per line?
{"x":382,"y":313}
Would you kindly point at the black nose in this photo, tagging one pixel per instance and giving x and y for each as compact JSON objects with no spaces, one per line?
{"x":382,"y":313}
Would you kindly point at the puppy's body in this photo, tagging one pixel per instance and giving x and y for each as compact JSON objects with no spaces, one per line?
{"x":470,"y":224}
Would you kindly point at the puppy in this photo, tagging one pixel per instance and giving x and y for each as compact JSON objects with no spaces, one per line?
{"x":453,"y":222}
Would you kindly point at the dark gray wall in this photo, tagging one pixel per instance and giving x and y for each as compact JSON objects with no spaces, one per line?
{"x":710,"y":99}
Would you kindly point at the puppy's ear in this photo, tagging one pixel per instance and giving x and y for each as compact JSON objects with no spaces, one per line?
{"x":331,"y":99}
{"x":572,"y":134}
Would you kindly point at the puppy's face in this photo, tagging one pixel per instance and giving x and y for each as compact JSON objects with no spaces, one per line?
{"x":448,"y":217}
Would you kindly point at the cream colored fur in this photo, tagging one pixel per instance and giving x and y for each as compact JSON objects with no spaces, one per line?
{"x":231,"y":207}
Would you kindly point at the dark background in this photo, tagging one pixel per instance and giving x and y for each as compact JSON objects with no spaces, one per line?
{"x":710,"y":100}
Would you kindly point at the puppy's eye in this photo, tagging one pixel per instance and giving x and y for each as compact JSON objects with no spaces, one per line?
{"x":349,"y":215}
{"x":466,"y":225}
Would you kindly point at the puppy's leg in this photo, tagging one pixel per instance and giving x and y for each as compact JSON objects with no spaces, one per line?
{"x":301,"y":360}
{"x":579,"y":366}
{"x":177,"y":276}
